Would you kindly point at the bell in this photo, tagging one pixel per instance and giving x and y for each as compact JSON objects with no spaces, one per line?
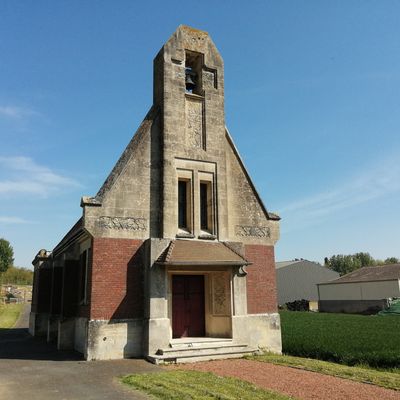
{"x":190,"y":79}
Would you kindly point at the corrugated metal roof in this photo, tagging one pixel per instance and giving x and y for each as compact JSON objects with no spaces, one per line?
{"x":298,"y":280}
{"x":370,"y":274}
{"x":281,"y":264}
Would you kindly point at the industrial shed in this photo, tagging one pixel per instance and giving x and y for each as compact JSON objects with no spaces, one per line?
{"x":298,"y":280}
{"x":364,"y":291}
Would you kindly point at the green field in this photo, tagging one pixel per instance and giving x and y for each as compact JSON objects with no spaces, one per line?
{"x":9,"y":314}
{"x":347,"y":339}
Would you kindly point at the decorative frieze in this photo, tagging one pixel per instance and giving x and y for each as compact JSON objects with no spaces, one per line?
{"x":253,"y":231}
{"x":122,"y":223}
{"x":220,"y":294}
{"x":194,"y":122}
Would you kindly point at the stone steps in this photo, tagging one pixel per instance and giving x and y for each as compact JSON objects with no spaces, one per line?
{"x":186,"y":352}
{"x":196,"y":342}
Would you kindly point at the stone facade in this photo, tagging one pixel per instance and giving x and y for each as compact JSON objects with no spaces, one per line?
{"x":103,"y":290}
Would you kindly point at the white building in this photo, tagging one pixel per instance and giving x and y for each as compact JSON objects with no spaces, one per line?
{"x":365,"y":290}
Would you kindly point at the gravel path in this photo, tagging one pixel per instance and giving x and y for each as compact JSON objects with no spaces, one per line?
{"x":295,"y":382}
{"x":23,"y":320}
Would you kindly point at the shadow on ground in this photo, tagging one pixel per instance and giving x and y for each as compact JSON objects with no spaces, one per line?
{"x":18,"y":344}
{"x":31,"y":368}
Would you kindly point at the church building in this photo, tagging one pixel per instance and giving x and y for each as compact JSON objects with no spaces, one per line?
{"x":173,"y":258}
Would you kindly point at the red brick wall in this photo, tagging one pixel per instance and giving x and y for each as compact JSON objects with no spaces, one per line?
{"x":116,"y":279}
{"x":261,"y":279}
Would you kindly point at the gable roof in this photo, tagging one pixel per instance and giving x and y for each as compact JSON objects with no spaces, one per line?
{"x":71,"y":235}
{"x":370,"y":274}
{"x":193,"y":252}
{"x":127,"y":153}
{"x":269,"y":215}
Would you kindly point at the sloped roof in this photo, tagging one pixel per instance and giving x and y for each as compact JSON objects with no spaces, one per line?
{"x":370,"y":274}
{"x":298,"y":279}
{"x":72,"y":234}
{"x":281,"y":264}
{"x":193,"y":252}
{"x":269,"y":215}
{"x":134,"y":143}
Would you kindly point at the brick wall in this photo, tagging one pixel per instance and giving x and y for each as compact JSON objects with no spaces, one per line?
{"x":116,"y":279}
{"x":261,"y":279}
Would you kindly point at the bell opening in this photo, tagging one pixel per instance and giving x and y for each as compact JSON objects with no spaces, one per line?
{"x":190,"y":79}
{"x":193,"y":72}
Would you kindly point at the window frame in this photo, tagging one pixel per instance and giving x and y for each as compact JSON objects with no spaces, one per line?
{"x":84,"y":267}
{"x":187,"y":178}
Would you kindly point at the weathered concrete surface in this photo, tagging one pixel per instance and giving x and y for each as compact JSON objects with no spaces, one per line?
{"x":32,"y":369}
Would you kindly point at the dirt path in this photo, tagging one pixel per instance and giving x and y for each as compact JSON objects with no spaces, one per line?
{"x":295,"y":382}
{"x":23,"y":319}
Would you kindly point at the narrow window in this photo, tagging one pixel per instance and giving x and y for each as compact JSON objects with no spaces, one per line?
{"x":204,"y":206}
{"x":182,"y":204}
{"x":84,"y":273}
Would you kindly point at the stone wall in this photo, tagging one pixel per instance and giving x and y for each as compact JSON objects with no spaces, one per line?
{"x":115,"y":339}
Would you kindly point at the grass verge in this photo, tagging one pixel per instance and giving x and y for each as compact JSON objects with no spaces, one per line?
{"x":178,"y":385}
{"x":389,"y":380}
{"x":9,"y":314}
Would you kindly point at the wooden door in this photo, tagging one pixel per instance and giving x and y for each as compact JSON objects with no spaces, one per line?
{"x":188,"y":306}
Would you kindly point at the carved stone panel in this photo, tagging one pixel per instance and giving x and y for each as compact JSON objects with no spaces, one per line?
{"x":194,"y":122}
{"x":253,"y":231}
{"x":220,"y":294}
{"x":122,"y":223}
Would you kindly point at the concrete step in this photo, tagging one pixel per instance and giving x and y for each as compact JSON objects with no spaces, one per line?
{"x":167,"y":356}
{"x":204,"y":348}
{"x":195,"y":342}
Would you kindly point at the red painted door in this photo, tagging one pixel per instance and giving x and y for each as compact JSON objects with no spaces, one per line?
{"x":188,"y":306}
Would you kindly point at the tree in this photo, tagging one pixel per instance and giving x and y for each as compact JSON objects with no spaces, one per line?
{"x":348,"y":263}
{"x":18,"y":276}
{"x":343,"y":264}
{"x":366,"y":259}
{"x":6,"y":255}
{"x":392,"y":260}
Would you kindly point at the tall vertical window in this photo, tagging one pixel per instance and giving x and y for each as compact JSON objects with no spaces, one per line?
{"x":205,"y":206}
{"x":84,"y":273}
{"x":182,"y":204}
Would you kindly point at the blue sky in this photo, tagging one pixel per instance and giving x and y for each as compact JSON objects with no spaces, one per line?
{"x":312,"y":101}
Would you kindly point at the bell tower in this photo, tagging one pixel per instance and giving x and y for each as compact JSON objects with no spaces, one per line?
{"x":189,"y":93}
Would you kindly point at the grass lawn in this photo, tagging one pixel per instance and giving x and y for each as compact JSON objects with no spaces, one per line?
{"x":372,"y":341}
{"x":9,"y":314}
{"x":387,"y":380}
{"x":178,"y":385}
